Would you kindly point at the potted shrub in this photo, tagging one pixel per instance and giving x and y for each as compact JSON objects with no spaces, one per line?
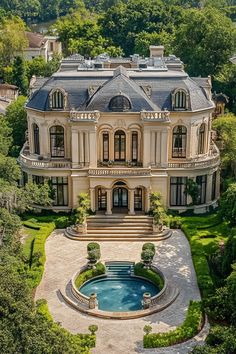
{"x":94,"y":253}
{"x":82,"y":212}
{"x":147,"y":256}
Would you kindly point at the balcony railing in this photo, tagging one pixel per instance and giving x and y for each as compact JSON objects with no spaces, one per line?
{"x":158,"y":116}
{"x":84,"y":116}
{"x":211,"y":161}
{"x":117,"y":172}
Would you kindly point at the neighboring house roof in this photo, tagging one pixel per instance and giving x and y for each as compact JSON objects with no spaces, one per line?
{"x":8,"y":87}
{"x":108,"y":83}
{"x":36,"y":40}
{"x":220,"y":97}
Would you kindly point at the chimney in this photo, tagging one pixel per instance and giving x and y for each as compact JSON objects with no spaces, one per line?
{"x":156,"y":51}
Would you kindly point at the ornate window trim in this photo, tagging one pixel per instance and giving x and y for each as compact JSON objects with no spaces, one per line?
{"x":179,"y":141}
{"x":120,"y":103}
{"x":52,"y":99}
{"x":180,"y":100}
{"x":202,"y":139}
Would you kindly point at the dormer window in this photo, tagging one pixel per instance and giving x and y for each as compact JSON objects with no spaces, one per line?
{"x":58,"y":99}
{"x":180,"y":100}
{"x":119,"y":103}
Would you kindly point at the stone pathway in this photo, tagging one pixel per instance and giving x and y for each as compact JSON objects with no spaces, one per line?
{"x":173,"y":257}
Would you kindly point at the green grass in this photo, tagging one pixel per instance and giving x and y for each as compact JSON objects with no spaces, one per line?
{"x":204,"y":234}
{"x":34,"y":249}
{"x":190,"y":327}
{"x":139,"y":270}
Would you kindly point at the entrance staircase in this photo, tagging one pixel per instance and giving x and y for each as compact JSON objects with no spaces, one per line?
{"x":119,"y":227}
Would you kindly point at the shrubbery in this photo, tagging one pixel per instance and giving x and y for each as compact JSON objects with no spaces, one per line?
{"x":187,"y":330}
{"x":89,"y":274}
{"x":139,"y":270}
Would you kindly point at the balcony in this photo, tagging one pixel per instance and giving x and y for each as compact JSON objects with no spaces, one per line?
{"x":84,"y":116}
{"x":159,"y":116}
{"x":118,"y":172}
{"x":31,"y":161}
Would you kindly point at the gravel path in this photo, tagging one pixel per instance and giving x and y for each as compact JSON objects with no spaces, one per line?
{"x":173,"y":257}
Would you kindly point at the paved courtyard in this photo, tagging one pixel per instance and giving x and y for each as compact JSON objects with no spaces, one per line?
{"x":173,"y":257}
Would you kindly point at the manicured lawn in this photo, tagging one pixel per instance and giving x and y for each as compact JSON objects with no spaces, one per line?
{"x":204,"y":234}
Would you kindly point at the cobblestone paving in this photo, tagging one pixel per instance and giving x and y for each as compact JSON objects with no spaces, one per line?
{"x":173,"y":257}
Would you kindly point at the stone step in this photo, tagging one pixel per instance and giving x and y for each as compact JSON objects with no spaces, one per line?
{"x":122,"y":224}
{"x":119,"y":216}
{"x":118,"y":231}
{"x":118,"y":222}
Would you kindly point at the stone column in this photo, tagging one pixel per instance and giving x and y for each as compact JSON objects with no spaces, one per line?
{"x":158,"y":147}
{"x":93,"y":148}
{"x":164,"y":148}
{"x":209,"y":188}
{"x":87,"y":148}
{"x":75,"y":148}
{"x":92,"y":199}
{"x":81,"y":148}
{"x":111,"y":146}
{"x":109,"y":202}
{"x":44,"y":144}
{"x":147,"y":200}
{"x":128,"y":146}
{"x":146,"y":147}
{"x":153,"y":147}
{"x":131,"y":202}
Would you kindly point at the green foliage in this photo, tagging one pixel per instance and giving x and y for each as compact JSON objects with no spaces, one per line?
{"x":9,"y":169}
{"x":139,"y":270}
{"x":191,"y":326}
{"x":143,"y":40}
{"x":92,"y":246}
{"x":226,"y":131}
{"x":89,"y":274}
{"x":157,"y":208}
{"x":147,"y":256}
{"x":175,"y":222}
{"x":82,"y":211}
{"x":93,"y":329}
{"x":228,"y":204}
{"x":147,"y":329}
{"x":192,"y":189}
{"x":39,"y":67}
{"x":150,"y":246}
{"x":5,"y":136}
{"x":19,"y":77}
{"x":16,"y":118}
{"x":31,"y":225}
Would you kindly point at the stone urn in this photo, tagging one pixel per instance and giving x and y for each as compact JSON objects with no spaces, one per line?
{"x":81,"y":228}
{"x":93,"y":302}
{"x":146,"y":300}
{"x":157,"y":228}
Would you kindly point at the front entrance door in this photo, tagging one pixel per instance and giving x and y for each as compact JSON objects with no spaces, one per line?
{"x":120,"y":197}
{"x":102,"y":199}
{"x":138,"y":199}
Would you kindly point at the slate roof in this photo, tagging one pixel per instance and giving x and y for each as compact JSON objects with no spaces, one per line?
{"x":107,"y":84}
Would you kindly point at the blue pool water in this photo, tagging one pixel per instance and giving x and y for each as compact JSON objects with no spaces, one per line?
{"x":119,"y":291}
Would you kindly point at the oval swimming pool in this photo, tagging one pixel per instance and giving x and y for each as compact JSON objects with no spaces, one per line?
{"x":119,"y":291}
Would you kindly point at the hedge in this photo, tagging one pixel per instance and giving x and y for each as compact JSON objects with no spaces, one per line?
{"x":139,"y":270}
{"x":190,"y":327}
{"x":89,"y":274}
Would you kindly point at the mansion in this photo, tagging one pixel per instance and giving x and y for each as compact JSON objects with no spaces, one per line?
{"x":119,"y":129}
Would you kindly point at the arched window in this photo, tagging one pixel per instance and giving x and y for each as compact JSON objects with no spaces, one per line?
{"x":105,"y":142}
{"x":201,"y":139}
{"x":179,"y":141}
{"x":119,"y":103}
{"x":119,"y":145}
{"x":57,"y":100}
{"x":57,"y":141}
{"x":134,"y":146}
{"x":180,"y":100}
{"x":36,"y":139}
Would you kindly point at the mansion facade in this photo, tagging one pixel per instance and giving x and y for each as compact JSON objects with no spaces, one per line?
{"x":119,"y":129}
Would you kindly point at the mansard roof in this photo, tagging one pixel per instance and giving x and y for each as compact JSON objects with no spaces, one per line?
{"x":147,"y":90}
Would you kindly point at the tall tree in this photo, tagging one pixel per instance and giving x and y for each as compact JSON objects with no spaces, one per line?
{"x":19,"y":77}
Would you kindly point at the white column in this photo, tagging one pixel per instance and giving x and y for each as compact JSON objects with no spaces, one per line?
{"x":111,"y":146}
{"x":75,"y":148}
{"x":158,"y":147}
{"x":81,"y":148}
{"x":164,"y":148}
{"x":131,"y":202}
{"x":146,"y":147}
{"x":153,"y":147}
{"x":93,"y":148}
{"x":43,"y":140}
{"x":86,"y":148}
{"x":109,"y":198}
{"x":128,"y":146}
{"x":92,"y":199}
{"x":209,"y":188}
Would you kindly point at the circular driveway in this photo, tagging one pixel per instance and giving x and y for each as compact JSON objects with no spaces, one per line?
{"x":65,"y":257}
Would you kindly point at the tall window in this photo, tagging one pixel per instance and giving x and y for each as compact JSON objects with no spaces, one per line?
{"x":38,"y":179}
{"x":57,"y":100}
{"x":180,"y":101}
{"x":177,"y":189}
{"x":179,"y":141}
{"x":201,"y":141}
{"x":119,"y":104}
{"x":57,"y":141}
{"x":202,"y":181}
{"x":119,"y":145}
{"x":36,"y":139}
{"x":60,"y":189}
{"x":105,"y":146}
{"x":134,"y":146}
{"x":213,"y":190}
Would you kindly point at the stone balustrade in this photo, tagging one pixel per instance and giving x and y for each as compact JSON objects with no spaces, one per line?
{"x":84,"y":116}
{"x":119,"y":172}
{"x":44,"y":164}
{"x":161,"y":116}
{"x":210,"y":161}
